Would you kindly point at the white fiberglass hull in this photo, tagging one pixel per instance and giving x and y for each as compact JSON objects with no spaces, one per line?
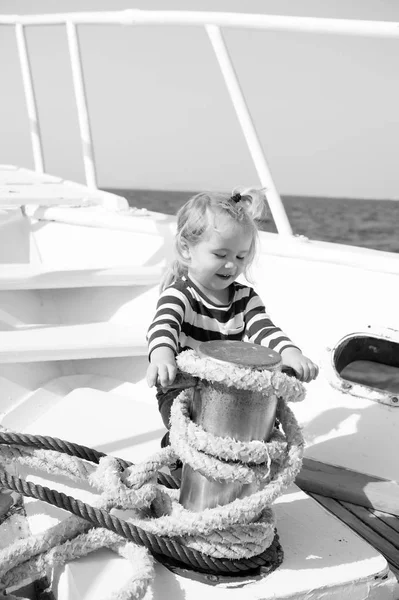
{"x":317,"y":292}
{"x":78,"y":288}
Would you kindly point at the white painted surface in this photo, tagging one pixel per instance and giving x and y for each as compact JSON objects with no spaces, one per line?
{"x":316,"y":304}
{"x":30,"y":98}
{"x":14,"y":175}
{"x":20,"y":186}
{"x":222,"y":19}
{"x":25,"y":277}
{"x":323,"y":558}
{"x":17,"y":245}
{"x":247,"y":125}
{"x":143,"y":241}
{"x":90,"y":340}
{"x":158,"y":224}
{"x":316,"y":292}
{"x":18,"y":381}
{"x":45,"y":194}
{"x":81,"y":104}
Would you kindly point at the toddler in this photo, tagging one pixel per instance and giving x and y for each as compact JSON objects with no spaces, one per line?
{"x":200,"y":298}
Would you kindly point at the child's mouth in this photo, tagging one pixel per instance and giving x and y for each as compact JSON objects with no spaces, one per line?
{"x":224,"y":276}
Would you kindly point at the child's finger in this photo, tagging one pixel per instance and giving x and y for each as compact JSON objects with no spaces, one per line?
{"x":172,"y":370}
{"x":299,"y":371}
{"x":305,"y":373}
{"x":314,"y":371}
{"x":163,"y":375}
{"x":152,"y":373}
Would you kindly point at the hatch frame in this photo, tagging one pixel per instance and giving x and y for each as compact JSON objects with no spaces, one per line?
{"x":358,"y":389}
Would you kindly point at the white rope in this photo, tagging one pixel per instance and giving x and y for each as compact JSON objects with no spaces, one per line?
{"x":242,"y":378}
{"x":241,"y":529}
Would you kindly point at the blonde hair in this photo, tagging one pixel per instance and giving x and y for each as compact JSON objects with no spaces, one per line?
{"x":244,"y":206}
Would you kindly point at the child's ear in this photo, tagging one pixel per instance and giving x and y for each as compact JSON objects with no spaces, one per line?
{"x":185,"y":250}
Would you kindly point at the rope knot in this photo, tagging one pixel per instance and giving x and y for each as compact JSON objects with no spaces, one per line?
{"x":110,"y":479}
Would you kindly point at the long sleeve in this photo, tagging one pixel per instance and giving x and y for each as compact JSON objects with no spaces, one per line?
{"x":260,"y":329}
{"x":166,"y":326}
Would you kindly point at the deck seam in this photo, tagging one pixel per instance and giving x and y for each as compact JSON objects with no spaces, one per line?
{"x":355,"y":522}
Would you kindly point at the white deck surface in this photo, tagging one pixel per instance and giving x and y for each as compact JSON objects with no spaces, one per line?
{"x":20,"y":186}
{"x":337,"y":286}
{"x":323,"y":559}
{"x":87,"y":340}
{"x":29,"y":277}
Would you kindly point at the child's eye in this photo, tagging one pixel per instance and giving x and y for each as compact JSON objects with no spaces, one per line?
{"x":240,"y":257}
{"x":220,"y":255}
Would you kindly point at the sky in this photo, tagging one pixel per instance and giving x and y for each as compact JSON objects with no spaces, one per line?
{"x":325,"y":106}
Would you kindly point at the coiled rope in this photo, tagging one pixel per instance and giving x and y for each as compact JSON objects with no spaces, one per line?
{"x":172,"y":534}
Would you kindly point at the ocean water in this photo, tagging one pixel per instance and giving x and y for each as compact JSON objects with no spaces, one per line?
{"x":366,"y":223}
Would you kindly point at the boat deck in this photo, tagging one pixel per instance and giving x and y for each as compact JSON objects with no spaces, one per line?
{"x":67,"y":352}
{"x":323,"y":557}
{"x":379,"y":529}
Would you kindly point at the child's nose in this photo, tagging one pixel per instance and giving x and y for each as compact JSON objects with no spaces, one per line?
{"x":229,"y":264}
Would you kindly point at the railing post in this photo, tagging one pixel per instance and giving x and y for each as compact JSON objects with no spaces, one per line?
{"x":30,"y":99}
{"x":81,"y":105}
{"x":248,"y":129}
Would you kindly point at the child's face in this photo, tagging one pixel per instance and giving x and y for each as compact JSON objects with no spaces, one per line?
{"x":222,"y":255}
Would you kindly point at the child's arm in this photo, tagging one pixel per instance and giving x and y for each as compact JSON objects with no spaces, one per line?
{"x":163,"y":337}
{"x":261,"y":330}
{"x":162,"y":367}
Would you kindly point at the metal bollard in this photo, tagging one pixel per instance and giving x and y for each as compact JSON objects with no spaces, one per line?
{"x":229,"y":412}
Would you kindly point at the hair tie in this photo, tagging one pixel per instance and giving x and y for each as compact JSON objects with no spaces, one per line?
{"x":236,"y":197}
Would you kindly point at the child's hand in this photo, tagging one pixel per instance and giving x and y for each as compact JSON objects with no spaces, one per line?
{"x":305,"y":369}
{"x":163,"y":373}
{"x":162,"y":368}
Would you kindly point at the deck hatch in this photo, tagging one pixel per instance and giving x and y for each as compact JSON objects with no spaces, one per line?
{"x":367,"y":365}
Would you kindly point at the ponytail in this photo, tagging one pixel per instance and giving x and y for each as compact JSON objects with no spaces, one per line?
{"x":254,"y":200}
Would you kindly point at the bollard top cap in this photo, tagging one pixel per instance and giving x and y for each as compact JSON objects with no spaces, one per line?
{"x":242,"y":354}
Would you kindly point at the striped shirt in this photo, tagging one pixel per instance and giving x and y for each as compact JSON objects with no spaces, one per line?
{"x":185,"y":317}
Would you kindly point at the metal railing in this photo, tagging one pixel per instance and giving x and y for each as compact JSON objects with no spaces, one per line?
{"x":212,"y":22}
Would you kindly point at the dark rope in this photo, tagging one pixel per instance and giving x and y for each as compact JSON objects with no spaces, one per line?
{"x":49,"y":443}
{"x":159,"y":546}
